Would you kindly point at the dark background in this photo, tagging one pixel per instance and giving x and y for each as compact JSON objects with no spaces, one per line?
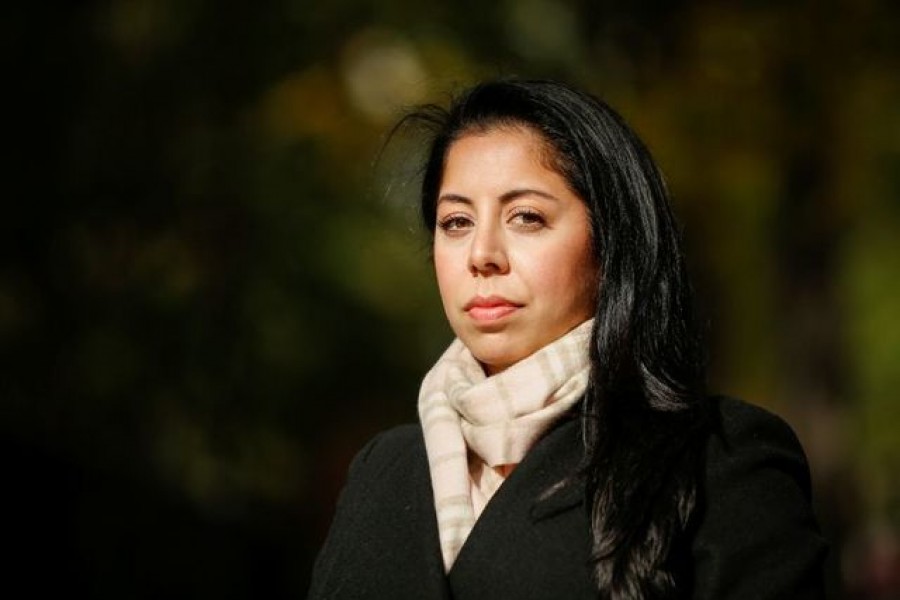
{"x":211,"y":294}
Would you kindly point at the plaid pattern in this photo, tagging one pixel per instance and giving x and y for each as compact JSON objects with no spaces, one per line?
{"x":474,"y":425}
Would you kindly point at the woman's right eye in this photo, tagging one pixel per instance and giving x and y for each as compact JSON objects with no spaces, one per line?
{"x":454,"y":223}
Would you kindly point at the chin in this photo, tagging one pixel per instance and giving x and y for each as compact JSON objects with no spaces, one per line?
{"x":494,"y":362}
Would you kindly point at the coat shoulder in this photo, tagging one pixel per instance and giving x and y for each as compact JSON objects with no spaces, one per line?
{"x":737,"y":418}
{"x":386,"y":448}
{"x":755,"y":512}
{"x":749,"y":438}
{"x":383,"y":539}
{"x":396,"y":439}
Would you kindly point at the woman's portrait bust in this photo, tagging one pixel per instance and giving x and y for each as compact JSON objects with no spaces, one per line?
{"x":567,"y":445}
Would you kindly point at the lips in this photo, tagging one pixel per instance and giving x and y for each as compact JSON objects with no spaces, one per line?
{"x":488,"y":309}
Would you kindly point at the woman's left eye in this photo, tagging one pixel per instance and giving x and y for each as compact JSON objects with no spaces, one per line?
{"x":528,"y":219}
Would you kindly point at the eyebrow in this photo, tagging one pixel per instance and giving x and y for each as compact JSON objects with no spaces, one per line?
{"x":505,"y":198}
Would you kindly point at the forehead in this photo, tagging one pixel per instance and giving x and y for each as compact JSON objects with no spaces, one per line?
{"x":503,"y":142}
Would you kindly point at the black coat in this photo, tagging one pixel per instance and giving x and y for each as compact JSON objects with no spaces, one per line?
{"x":757,"y":537}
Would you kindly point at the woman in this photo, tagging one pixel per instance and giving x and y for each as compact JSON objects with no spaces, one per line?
{"x":566,"y":447}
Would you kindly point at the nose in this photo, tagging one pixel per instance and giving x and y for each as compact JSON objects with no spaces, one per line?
{"x":487,"y":255}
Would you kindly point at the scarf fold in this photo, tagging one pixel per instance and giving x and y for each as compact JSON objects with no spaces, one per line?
{"x":475,"y":425}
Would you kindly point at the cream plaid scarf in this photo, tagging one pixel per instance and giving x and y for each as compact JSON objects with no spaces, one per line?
{"x":497,"y":419}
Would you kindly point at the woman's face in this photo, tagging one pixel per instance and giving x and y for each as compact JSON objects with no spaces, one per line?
{"x":512,"y":247}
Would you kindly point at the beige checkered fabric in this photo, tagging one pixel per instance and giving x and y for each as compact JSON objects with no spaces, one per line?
{"x":490,"y":422}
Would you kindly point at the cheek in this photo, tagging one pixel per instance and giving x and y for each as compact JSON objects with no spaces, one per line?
{"x":445,"y":270}
{"x":587,"y":281}
{"x":568,"y":275}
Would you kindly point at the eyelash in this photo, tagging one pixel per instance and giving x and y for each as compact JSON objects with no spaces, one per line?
{"x":529,"y":219}
{"x":452,"y":223}
{"x":532,"y":218}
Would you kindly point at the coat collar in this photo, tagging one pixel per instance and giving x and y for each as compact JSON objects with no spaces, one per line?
{"x":550,"y":472}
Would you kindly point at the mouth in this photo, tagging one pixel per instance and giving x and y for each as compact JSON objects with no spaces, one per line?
{"x":489,"y":309}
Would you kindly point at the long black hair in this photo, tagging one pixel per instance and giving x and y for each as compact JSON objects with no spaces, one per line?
{"x":644,"y":413}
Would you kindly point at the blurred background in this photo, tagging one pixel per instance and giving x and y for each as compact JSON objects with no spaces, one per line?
{"x":212,"y":294}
